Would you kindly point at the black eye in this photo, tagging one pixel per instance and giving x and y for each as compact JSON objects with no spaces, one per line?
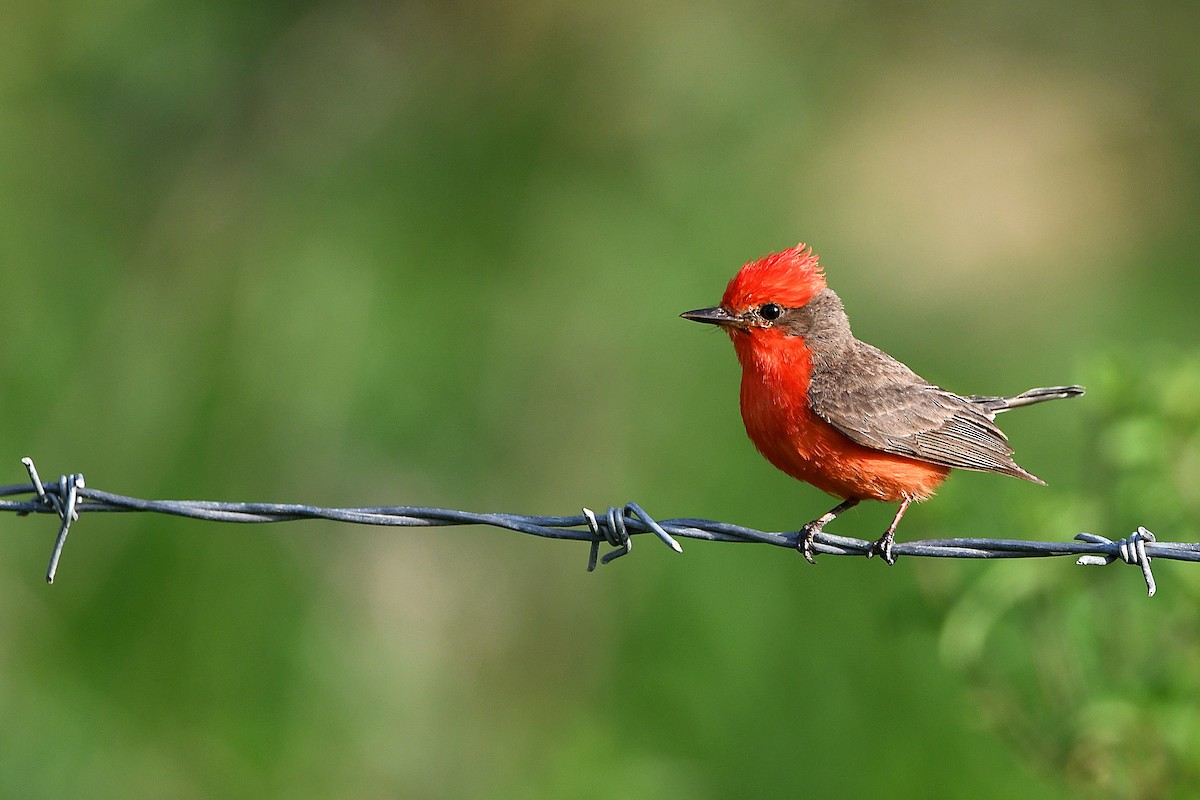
{"x":770,"y":311}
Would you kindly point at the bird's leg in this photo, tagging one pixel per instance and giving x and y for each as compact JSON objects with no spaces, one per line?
{"x":884,"y":545}
{"x":809,"y":532}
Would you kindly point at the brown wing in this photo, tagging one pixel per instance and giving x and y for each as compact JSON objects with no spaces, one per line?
{"x":880,"y":403}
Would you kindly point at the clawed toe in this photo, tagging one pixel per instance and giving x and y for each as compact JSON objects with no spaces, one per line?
{"x":809,"y":532}
{"x":808,"y":535}
{"x":884,"y":547}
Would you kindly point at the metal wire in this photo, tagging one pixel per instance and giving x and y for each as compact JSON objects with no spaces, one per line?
{"x":70,"y":497}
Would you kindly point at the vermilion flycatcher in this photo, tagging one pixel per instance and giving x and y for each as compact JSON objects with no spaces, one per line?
{"x":840,"y":414}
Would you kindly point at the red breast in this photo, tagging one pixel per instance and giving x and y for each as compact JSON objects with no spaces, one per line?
{"x":780,"y":422}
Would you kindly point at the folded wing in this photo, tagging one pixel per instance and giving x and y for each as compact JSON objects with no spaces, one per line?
{"x":880,"y":403}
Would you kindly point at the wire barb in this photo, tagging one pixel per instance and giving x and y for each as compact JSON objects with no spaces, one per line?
{"x":615,"y":531}
{"x":68,"y":488}
{"x":64,"y":503}
{"x":1131,"y":550}
{"x":70,"y":497}
{"x":37,"y":483}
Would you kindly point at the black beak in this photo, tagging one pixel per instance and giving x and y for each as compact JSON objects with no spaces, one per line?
{"x":713,"y":316}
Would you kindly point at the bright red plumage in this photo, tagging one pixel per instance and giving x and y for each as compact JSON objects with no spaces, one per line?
{"x":790,"y":278}
{"x":840,"y":414}
{"x":774,"y":397}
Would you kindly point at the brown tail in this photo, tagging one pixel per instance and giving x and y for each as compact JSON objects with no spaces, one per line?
{"x":995,"y":405}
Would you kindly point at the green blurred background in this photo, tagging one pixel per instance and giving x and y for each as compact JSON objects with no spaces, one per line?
{"x":353,"y":253}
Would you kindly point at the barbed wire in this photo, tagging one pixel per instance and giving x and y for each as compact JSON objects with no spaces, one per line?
{"x":70,"y":497}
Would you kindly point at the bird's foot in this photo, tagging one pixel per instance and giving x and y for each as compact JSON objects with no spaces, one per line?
{"x":808,"y":535}
{"x":884,"y":547}
{"x":809,"y":532}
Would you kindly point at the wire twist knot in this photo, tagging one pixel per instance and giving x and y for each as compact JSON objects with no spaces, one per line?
{"x":63,"y":503}
{"x":614,"y":529}
{"x":1131,"y":550}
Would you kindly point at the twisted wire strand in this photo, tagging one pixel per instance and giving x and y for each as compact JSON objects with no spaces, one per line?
{"x":70,"y":497}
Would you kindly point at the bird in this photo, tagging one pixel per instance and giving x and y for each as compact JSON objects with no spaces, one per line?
{"x":842,"y":415}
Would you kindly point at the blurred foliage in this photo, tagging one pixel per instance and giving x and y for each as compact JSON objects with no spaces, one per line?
{"x":363,"y":253}
{"x":1081,"y":676}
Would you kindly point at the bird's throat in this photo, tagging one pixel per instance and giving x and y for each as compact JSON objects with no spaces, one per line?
{"x":773,"y":357}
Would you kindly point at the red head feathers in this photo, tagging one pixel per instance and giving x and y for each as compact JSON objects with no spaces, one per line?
{"x":790,"y":278}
